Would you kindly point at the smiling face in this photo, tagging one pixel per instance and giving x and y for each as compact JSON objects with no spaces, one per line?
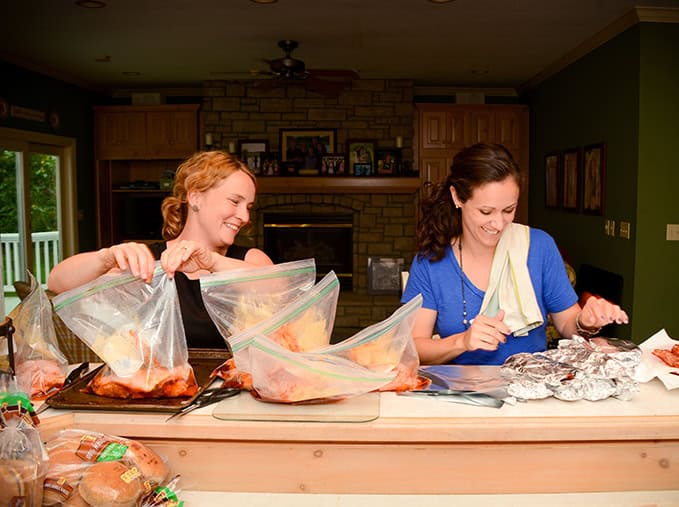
{"x":222,"y":210}
{"x":491,"y":207}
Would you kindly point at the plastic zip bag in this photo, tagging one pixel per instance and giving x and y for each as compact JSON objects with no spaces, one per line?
{"x":137,"y":329}
{"x":281,"y":375}
{"x":303,"y":325}
{"x":40,"y":365}
{"x":238,"y":299}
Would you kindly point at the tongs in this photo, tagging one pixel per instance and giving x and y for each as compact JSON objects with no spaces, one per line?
{"x":207,"y":397}
{"x":76,"y":374}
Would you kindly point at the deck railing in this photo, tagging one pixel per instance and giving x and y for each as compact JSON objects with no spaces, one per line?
{"x":45,"y":252}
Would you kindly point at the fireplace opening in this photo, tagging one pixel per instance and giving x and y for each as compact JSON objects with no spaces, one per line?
{"x":326,"y":238}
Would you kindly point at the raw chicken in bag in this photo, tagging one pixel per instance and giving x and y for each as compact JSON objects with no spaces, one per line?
{"x":238,"y":299}
{"x":136,"y":328}
{"x":41,"y":367}
{"x":303,"y":325}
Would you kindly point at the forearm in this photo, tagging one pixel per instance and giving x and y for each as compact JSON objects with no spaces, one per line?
{"x":440,"y":351}
{"x":77,"y":270}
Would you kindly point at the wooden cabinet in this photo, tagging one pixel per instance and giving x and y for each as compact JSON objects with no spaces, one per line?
{"x":136,"y":148}
{"x":444,"y":129}
{"x":148,"y":132}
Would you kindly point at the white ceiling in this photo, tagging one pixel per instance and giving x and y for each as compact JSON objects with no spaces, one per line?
{"x":180,"y":43}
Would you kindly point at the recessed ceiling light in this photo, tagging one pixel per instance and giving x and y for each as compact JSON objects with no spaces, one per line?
{"x":441,"y":1}
{"x":264,"y":1}
{"x":90,"y":4}
{"x":131,"y":73}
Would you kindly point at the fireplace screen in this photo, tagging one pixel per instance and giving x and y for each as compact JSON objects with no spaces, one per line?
{"x":326,"y":238}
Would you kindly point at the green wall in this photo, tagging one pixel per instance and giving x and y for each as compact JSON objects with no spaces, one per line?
{"x":21,"y":87}
{"x":656,"y":278}
{"x":621,"y":93}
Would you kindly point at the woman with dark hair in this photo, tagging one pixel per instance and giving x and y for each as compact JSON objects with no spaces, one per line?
{"x":210,"y":203}
{"x":488,"y":284}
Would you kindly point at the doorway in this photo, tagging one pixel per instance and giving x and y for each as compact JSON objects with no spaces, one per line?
{"x":37,"y":209}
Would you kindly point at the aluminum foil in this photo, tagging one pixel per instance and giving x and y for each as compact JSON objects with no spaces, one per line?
{"x":578,"y":369}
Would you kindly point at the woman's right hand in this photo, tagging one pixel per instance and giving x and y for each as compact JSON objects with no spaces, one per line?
{"x":135,"y":257}
{"x":486,"y":333}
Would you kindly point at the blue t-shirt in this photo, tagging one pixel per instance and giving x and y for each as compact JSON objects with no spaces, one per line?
{"x":439,"y":284}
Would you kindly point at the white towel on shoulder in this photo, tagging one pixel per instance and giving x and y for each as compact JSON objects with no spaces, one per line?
{"x":510,"y":287}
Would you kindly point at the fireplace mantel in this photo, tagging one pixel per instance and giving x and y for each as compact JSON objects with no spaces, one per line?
{"x":336,"y":185}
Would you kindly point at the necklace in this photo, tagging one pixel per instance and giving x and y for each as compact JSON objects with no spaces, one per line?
{"x":464,"y":300}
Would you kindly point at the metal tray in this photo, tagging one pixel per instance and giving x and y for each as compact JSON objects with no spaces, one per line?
{"x":203,"y":361}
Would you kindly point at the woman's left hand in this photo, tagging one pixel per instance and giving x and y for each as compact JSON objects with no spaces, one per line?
{"x":599,"y":312}
{"x":186,"y":256}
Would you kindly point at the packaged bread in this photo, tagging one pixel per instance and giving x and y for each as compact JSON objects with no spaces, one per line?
{"x":72,"y":453}
{"x":111,"y":484}
{"x":23,"y":459}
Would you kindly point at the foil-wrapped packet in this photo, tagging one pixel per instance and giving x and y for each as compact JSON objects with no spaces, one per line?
{"x":578,"y":369}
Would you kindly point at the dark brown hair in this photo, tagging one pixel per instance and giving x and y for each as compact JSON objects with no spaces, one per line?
{"x":198,"y":173}
{"x":472,"y":167}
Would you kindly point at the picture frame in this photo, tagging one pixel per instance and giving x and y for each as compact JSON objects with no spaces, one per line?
{"x":270,"y":164}
{"x":361,"y":152}
{"x":306,"y":147}
{"x":251,"y":151}
{"x":594,"y":178}
{"x":333,"y":164}
{"x":571,"y":179}
{"x":384,"y":275}
{"x":388,"y":162}
{"x":552,"y":166}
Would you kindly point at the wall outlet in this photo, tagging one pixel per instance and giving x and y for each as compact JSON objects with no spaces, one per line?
{"x":672,"y":232}
{"x":609,"y":227}
{"x":625,"y":230}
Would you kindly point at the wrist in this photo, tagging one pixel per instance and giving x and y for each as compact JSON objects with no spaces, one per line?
{"x":585,"y":331}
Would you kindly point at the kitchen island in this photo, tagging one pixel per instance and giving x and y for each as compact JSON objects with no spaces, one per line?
{"x":418,"y":446}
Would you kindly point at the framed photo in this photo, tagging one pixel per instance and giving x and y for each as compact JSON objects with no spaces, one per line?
{"x":251,"y":152}
{"x":361,"y":152}
{"x":270,"y":164}
{"x":594,"y":184}
{"x":333,"y":164}
{"x":306,"y":147}
{"x":361,"y":169}
{"x":552,"y":180}
{"x":384,"y":275}
{"x":388,"y":162}
{"x":571,"y":176}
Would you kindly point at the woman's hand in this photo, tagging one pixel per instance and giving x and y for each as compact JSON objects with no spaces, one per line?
{"x":486,"y":333}
{"x":135,"y":257}
{"x":188,"y":257}
{"x":599,"y":312}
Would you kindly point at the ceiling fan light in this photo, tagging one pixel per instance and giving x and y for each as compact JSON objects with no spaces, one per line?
{"x":90,"y":4}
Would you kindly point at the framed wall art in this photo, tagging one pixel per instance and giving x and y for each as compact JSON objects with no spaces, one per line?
{"x":552,"y":180}
{"x":594,"y":183}
{"x":571,"y":177}
{"x":384,"y":275}
{"x":252,"y":152}
{"x":361,"y":153}
{"x":306,"y":147}
{"x":333,"y":164}
{"x":388,"y":162}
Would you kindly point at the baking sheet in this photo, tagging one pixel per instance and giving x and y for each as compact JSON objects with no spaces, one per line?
{"x":203,"y":362}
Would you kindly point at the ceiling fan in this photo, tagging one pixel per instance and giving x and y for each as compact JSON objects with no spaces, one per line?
{"x":293,"y":70}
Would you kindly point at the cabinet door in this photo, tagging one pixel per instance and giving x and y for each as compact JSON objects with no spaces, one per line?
{"x":482,"y":126}
{"x":442,"y":129}
{"x":508,"y":128}
{"x":434,"y":170}
{"x":120,"y":135}
{"x":171,"y":134}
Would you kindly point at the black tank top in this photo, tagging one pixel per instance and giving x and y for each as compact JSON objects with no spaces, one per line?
{"x":200,"y":331}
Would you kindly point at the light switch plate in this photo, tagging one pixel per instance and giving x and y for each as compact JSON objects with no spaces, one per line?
{"x":625,"y":230}
{"x":672,"y":232}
